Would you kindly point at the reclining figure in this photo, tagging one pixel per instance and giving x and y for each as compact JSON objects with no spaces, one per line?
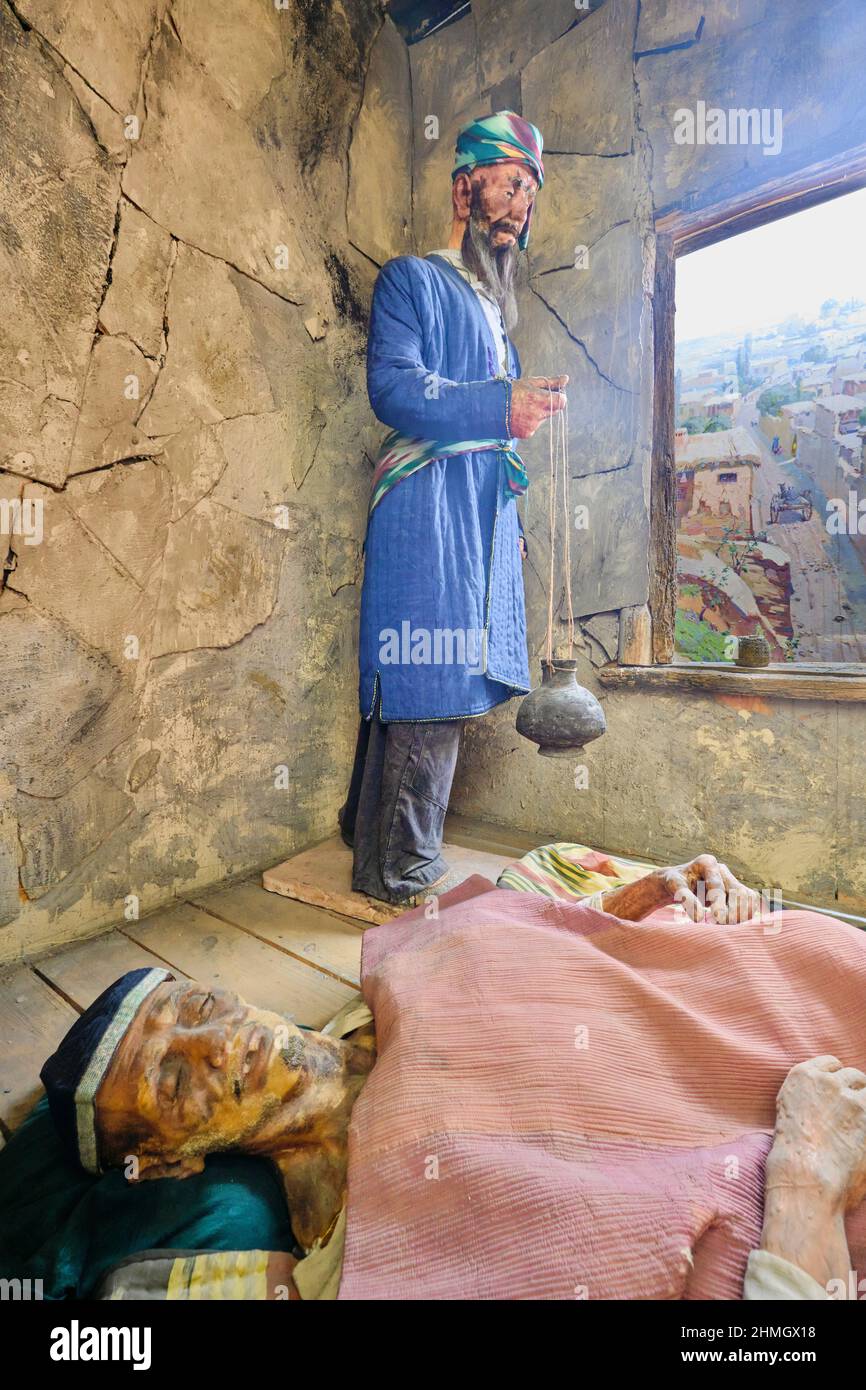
{"x":159,"y":1072}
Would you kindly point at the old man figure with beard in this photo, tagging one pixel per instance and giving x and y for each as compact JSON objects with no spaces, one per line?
{"x":443,"y":631}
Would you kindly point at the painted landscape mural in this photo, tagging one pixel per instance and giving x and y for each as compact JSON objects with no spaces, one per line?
{"x":771,"y":439}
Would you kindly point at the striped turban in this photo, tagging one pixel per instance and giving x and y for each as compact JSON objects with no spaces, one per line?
{"x":494,"y":139}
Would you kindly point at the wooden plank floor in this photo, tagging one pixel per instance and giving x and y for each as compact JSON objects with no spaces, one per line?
{"x":301,"y":960}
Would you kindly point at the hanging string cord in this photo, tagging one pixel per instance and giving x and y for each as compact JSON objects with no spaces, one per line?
{"x":559,"y":464}
{"x":566,"y":519}
{"x":551,"y":503}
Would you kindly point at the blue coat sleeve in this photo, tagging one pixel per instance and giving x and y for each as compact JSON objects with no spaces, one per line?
{"x":518,"y":370}
{"x":405,"y":392}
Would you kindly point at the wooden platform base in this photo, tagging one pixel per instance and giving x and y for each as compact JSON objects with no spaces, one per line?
{"x":323,"y":876}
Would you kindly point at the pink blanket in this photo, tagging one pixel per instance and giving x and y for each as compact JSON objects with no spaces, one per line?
{"x":570,"y":1106}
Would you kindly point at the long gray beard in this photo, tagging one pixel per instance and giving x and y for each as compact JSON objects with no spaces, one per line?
{"x":496,"y":269}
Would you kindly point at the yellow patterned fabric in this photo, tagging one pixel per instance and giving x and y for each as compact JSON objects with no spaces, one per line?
{"x":565,"y":870}
{"x":220,"y":1274}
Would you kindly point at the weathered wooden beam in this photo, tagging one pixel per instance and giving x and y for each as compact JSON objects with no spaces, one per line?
{"x":663,"y":519}
{"x":635,"y":636}
{"x":777,"y":681}
{"x":692,"y":229}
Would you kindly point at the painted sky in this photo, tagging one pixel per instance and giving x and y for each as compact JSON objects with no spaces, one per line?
{"x":759,"y":278}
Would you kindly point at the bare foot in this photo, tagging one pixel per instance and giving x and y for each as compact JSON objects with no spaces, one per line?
{"x":816,"y":1169}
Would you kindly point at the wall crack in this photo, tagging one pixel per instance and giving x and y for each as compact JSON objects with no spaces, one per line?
{"x":626,"y":390}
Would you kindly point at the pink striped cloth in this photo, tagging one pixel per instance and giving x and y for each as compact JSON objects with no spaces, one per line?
{"x":570,"y":1106}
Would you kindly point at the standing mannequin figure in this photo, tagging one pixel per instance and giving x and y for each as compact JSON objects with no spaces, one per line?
{"x":443,"y":626}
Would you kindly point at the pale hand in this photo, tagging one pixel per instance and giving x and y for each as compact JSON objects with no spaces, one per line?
{"x":533,"y":400}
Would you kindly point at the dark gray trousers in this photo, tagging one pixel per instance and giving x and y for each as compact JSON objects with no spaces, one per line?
{"x":395,"y":809}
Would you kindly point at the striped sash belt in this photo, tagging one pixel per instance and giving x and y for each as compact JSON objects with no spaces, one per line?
{"x":400,"y":456}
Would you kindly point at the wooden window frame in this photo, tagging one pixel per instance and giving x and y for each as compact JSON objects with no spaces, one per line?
{"x":649,"y":661}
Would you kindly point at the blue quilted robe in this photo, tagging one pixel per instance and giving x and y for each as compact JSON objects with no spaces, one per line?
{"x":442,"y":554}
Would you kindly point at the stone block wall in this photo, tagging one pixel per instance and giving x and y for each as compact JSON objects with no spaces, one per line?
{"x":194,"y":199}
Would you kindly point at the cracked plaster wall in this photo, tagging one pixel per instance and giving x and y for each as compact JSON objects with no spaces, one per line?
{"x":774,"y":787}
{"x":154,"y":259}
{"x":182,"y":387}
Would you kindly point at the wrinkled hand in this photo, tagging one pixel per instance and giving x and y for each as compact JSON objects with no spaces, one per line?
{"x":724,"y":896}
{"x":821,"y":1131}
{"x":533,"y":400}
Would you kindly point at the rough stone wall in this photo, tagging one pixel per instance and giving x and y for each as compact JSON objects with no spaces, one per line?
{"x":182,"y":350}
{"x":773,"y":786}
{"x":183,"y":390}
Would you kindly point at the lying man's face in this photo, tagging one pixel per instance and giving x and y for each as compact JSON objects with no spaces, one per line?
{"x":198,"y":1070}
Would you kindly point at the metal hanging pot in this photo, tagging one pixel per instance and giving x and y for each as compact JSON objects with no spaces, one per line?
{"x":560,"y":715}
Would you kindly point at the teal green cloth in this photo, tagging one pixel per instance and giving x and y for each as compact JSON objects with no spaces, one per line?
{"x":60,"y":1225}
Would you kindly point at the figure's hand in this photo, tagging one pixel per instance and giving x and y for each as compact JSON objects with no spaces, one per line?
{"x":726,"y":899}
{"x":521,"y":546}
{"x":816,"y":1169}
{"x":820,"y":1139}
{"x":534,"y":399}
